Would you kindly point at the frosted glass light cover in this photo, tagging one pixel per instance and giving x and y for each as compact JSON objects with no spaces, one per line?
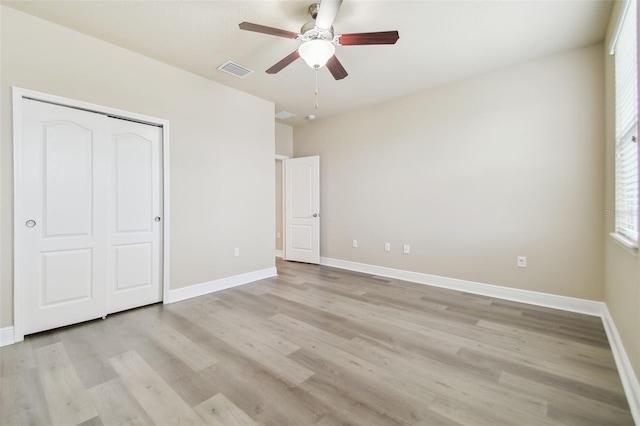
{"x":316,"y":53}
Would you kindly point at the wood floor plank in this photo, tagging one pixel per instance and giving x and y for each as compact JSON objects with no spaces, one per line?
{"x":355,"y":399}
{"x":16,"y":358}
{"x":265,"y":397}
{"x":67,"y":398}
{"x":579,"y":387}
{"x":156,"y":397}
{"x":380,"y":319}
{"x":245,"y":322}
{"x":320,"y":346}
{"x":332,"y":358}
{"x":182,"y":347}
{"x":556,"y":365}
{"x":563,"y":404}
{"x":346,"y":404}
{"x":45,"y":338}
{"x":566,"y":349}
{"x":94,"y":421}
{"x":116,"y":405}
{"x":452,"y":382}
{"x":198,"y":386}
{"x":22,"y":400}
{"x":336,"y":324}
{"x":220,"y":411}
{"x":164,"y":363}
{"x":251,"y":347}
{"x":93,"y":370}
{"x":469,"y":414}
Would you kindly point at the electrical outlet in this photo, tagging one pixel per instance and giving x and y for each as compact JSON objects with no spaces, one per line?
{"x":522,"y":261}
{"x":355,"y":243}
{"x":236,"y":251}
{"x":406,"y":249}
{"x":387,"y":247}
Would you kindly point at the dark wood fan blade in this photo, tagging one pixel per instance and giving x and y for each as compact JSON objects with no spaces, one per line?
{"x":248,"y":26}
{"x":335,"y":67}
{"x":382,"y":37}
{"x":283,"y":63}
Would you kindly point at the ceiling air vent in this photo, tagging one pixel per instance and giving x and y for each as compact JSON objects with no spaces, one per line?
{"x":283,"y":115}
{"x":234,"y":69}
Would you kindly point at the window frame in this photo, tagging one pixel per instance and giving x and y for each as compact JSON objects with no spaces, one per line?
{"x":627,"y":220}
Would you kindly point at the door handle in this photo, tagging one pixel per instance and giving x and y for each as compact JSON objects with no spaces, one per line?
{"x":156,"y":219}
{"x":316,"y":215}
{"x":30,"y":223}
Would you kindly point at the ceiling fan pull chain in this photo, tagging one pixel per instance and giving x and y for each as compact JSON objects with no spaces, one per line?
{"x":316,"y":88}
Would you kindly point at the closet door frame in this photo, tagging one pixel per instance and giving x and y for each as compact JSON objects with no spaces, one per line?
{"x":18,"y":95}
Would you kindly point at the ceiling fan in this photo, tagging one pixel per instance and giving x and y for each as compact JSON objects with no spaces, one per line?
{"x":318,"y":41}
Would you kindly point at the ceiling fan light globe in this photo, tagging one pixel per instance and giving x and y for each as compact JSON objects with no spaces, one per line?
{"x":316,"y":53}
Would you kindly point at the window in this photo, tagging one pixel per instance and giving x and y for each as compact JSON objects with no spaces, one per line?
{"x":624,"y":49}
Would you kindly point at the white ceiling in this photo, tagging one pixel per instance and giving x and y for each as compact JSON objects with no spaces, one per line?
{"x":440,"y":41}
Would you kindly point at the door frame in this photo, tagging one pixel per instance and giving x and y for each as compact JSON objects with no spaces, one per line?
{"x":18,"y":94}
{"x":283,"y":225}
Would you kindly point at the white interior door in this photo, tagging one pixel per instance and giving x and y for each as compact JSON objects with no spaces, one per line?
{"x":88,"y":227}
{"x":135,"y":209}
{"x":62,"y":233}
{"x":302,"y":209}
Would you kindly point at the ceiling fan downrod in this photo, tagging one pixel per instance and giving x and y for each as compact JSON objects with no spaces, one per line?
{"x":313,"y":10}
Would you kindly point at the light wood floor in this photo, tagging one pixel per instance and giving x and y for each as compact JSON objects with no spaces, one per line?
{"x":319,"y":346}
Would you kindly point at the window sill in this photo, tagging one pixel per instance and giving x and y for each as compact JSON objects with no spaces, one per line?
{"x":625,"y":243}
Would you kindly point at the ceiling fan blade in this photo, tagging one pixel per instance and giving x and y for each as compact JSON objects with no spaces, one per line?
{"x":248,"y":26}
{"x":382,"y":37}
{"x":283,"y":63}
{"x":335,"y":67}
{"x":327,"y":13}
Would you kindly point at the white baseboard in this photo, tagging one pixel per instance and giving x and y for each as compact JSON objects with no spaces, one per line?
{"x":279,"y":253}
{"x":221,"y":284}
{"x":583,"y":306}
{"x":6,"y":336}
{"x":627,"y":375}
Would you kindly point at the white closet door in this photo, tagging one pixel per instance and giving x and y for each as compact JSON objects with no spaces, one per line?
{"x":62,"y":232}
{"x":135,"y":210}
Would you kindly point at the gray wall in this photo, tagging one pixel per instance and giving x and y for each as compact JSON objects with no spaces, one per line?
{"x":472,"y":175}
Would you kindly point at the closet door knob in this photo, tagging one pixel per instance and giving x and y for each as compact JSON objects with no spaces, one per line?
{"x":30,"y":223}
{"x":156,"y":219}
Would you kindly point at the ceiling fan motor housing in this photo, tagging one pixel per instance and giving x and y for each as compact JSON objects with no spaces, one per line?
{"x":309,"y":31}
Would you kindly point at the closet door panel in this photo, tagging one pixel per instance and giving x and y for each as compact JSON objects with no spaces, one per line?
{"x":136,"y":209}
{"x":64,"y":212}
